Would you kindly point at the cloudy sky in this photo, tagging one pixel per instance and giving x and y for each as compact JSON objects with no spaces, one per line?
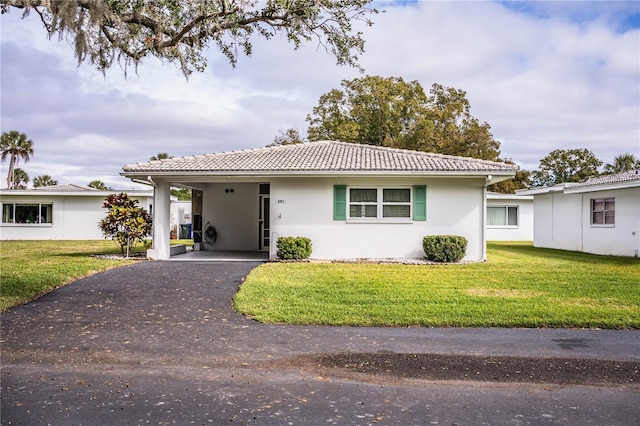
{"x":544,"y":75}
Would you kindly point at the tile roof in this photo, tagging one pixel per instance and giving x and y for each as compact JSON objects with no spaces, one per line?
{"x":65,"y":187}
{"x":325,"y":156}
{"x":630,"y":176}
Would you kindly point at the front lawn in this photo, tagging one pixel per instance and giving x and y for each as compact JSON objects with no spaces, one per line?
{"x":519,"y":286}
{"x":29,"y":269}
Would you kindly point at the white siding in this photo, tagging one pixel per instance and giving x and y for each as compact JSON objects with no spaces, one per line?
{"x":304,"y":207}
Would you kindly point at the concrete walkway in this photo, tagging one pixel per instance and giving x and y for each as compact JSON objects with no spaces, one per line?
{"x":159,"y":343}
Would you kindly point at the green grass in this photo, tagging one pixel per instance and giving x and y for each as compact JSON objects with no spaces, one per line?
{"x":519,"y":286}
{"x":29,"y":269}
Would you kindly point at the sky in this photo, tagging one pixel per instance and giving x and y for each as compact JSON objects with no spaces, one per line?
{"x":545,"y":75}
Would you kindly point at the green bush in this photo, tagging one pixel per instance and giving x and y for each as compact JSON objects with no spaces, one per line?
{"x":293,"y":248}
{"x":444,"y":248}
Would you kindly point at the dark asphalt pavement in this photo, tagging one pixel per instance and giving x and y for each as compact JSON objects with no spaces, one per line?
{"x":159,"y":343}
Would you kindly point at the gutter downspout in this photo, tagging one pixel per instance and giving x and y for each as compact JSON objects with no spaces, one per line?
{"x":582,"y":219}
{"x":487,"y":182}
{"x":149,"y":181}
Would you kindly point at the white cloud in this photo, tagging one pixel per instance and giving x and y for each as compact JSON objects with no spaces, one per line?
{"x":542,"y":76}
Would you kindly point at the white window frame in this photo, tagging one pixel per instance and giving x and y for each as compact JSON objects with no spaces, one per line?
{"x":13,"y":214}
{"x":606,"y":213}
{"x":506,"y":210}
{"x":380,"y":205}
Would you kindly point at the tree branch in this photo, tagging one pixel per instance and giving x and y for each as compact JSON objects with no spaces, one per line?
{"x":179,"y":31}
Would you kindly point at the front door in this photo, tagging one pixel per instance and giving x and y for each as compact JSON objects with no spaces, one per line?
{"x":263,"y":234}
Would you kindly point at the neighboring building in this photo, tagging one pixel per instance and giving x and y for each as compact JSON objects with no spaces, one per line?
{"x":181,"y":218}
{"x":509,"y":217}
{"x":353,"y":201}
{"x":59,"y":212}
{"x":599,"y":216}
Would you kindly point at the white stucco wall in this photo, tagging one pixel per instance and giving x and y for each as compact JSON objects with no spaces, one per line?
{"x":524,"y":230}
{"x":180,"y":212}
{"x":622,"y":239}
{"x":233,"y":214}
{"x":304,"y":207}
{"x":563,"y":221}
{"x":74,"y":217}
{"x":557,"y":221}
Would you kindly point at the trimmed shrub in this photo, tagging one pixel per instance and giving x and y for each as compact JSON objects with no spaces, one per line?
{"x":293,"y":248}
{"x":444,"y":248}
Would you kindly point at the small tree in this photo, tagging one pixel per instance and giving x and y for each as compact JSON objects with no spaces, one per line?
{"x":521,"y":180}
{"x":16,"y":146}
{"x":291,"y":136}
{"x":44,"y":181}
{"x":160,"y":156}
{"x":98,"y":184}
{"x":126,"y":223}
{"x":20,"y":179}
{"x":622,"y":163}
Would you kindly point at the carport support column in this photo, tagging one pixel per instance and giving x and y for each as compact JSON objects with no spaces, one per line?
{"x":161,"y":222}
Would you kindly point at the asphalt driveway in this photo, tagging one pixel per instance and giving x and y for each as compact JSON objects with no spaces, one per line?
{"x":159,"y":343}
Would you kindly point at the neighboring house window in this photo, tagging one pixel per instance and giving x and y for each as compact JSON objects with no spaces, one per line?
{"x":603,"y":211}
{"x":379,"y":203}
{"x":27,"y":213}
{"x":502,"y":216}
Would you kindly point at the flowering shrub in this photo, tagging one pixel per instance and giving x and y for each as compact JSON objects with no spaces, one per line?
{"x":126,"y":223}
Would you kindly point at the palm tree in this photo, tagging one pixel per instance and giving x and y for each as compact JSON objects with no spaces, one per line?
{"x":160,"y":156}
{"x":622,"y":163}
{"x":20,"y":179}
{"x":16,"y":146}
{"x":44,"y":180}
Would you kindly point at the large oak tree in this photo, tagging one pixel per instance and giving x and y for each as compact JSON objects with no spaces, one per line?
{"x":566,"y":165}
{"x":105,"y":32}
{"x":392,"y":112}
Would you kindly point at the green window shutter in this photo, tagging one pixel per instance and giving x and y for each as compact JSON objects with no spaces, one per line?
{"x":420,"y":202}
{"x":339,"y":202}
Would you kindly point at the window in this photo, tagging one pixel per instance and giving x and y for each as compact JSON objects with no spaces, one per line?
{"x":27,"y":213}
{"x":370,"y":204}
{"x":374,"y":203}
{"x":603,"y":211}
{"x":396,"y":202}
{"x":363,"y":202}
{"x":502,"y":216}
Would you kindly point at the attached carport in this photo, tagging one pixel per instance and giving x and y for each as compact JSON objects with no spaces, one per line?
{"x":230,"y":214}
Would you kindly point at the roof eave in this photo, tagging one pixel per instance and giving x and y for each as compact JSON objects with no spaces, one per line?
{"x":496,"y":175}
{"x":501,"y":196}
{"x":603,"y":187}
{"x":98,"y":193}
{"x":541,"y":190}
